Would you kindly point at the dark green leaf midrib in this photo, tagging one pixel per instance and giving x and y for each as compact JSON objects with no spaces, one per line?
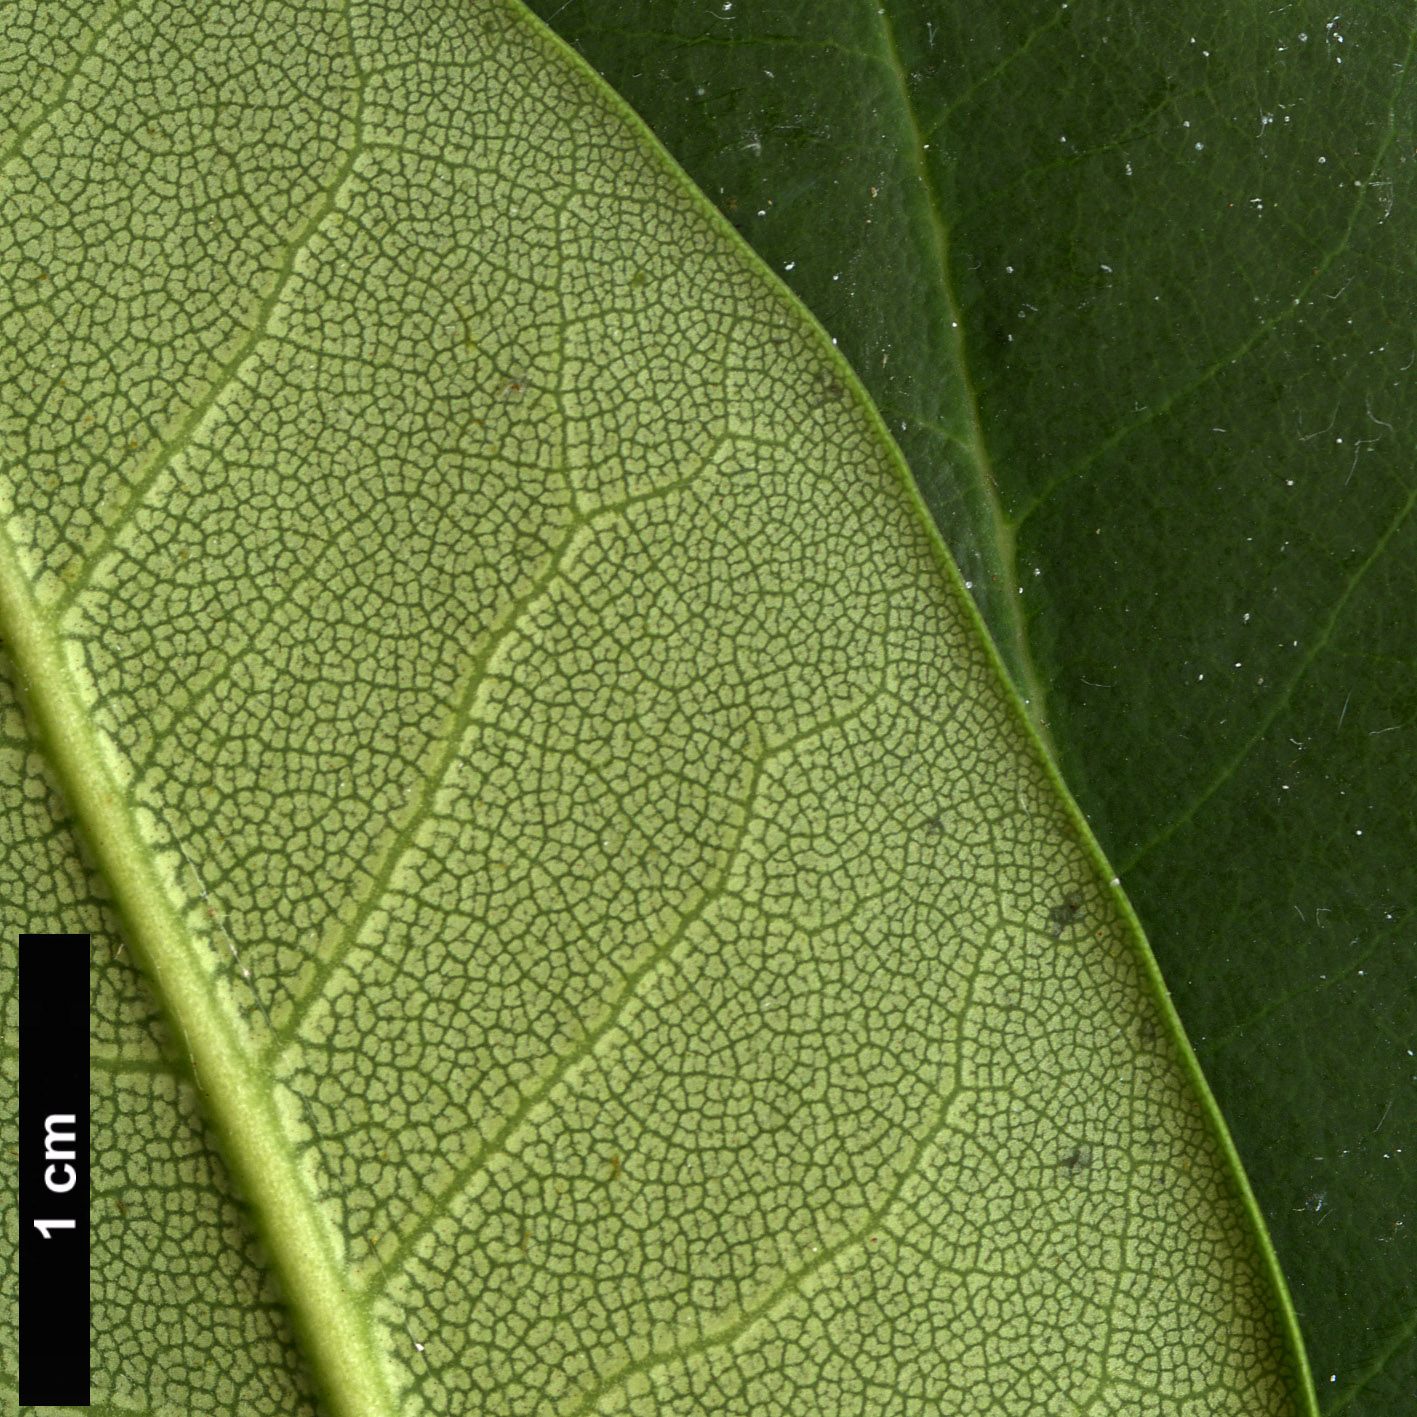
{"x":995,"y":532}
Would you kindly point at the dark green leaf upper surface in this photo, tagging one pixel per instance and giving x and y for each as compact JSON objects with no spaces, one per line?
{"x":1135,"y":287}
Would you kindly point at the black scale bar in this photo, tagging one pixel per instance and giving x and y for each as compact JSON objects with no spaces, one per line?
{"x":54,"y":1171}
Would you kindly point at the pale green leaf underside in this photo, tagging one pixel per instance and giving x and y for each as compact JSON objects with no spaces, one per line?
{"x":457,"y":592}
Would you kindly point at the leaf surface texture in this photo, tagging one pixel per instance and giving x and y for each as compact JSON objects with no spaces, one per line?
{"x":1133,"y":288}
{"x":471,"y":643}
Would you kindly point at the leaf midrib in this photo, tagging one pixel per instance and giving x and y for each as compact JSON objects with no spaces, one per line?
{"x":332,"y":1323}
{"x":333,"y":1326}
{"x":999,"y":532}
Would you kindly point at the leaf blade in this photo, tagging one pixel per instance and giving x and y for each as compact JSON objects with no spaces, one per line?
{"x":1182,"y":270}
{"x":593,"y":908}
